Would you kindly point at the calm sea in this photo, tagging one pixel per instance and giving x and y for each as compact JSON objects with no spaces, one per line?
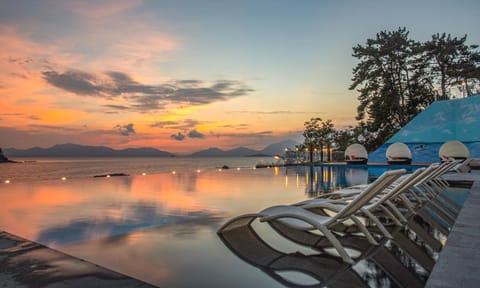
{"x":37,"y":169}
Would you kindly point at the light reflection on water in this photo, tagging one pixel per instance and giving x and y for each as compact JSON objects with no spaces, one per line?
{"x":160,"y":228}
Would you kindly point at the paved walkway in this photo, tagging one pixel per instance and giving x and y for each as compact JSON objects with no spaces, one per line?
{"x":27,"y":264}
{"x":459,"y":261}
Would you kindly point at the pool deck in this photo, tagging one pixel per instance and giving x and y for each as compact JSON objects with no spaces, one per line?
{"x":459,"y":262}
{"x":24,"y":263}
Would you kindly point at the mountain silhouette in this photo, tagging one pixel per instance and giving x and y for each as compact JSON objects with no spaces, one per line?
{"x":76,"y":150}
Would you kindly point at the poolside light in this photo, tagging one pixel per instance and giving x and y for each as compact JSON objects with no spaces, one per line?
{"x":64,"y":178}
{"x":143,"y":174}
{"x":220,"y":169}
{"x":238,"y":168}
{"x":7,"y":181}
{"x":108,"y":176}
{"x":174,"y":172}
{"x":198,"y":171}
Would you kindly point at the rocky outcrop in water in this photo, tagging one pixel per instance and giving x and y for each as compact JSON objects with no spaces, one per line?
{"x":3,"y":158}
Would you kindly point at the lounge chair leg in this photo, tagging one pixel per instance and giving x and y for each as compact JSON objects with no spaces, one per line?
{"x":364,"y":230}
{"x":408,"y":204}
{"x":391,"y":216}
{"x":378,"y":224}
{"x":397,"y":213}
{"x":334,"y":241}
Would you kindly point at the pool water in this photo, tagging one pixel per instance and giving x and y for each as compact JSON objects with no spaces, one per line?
{"x":324,"y":178}
{"x":162,"y":228}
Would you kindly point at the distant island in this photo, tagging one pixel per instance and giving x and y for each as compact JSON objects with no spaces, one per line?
{"x":76,"y":150}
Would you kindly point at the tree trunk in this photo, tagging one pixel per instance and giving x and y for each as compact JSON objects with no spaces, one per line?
{"x":443,"y":83}
{"x":321,"y":152}
{"x":329,"y":156}
{"x":311,"y":153}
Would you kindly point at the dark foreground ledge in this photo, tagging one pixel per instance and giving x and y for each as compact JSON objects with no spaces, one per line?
{"x":24,"y":263}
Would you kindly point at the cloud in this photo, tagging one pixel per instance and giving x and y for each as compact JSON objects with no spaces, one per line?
{"x":163,"y":124}
{"x":21,"y":116}
{"x":12,"y":114}
{"x":126,"y":130}
{"x":40,"y":127}
{"x":244,"y":135}
{"x":236,"y":126}
{"x":102,"y":9}
{"x":188,"y":123}
{"x":144,"y":97}
{"x":185,"y":124}
{"x":19,"y":75}
{"x":77,"y":82}
{"x":279,"y":112}
{"x":195,"y":134}
{"x":178,"y":137}
{"x":117,"y":107}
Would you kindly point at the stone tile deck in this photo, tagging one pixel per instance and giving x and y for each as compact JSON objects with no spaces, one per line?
{"x":459,"y":261}
{"x":24,"y":263}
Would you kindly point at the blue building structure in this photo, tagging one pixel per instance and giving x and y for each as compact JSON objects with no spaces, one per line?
{"x":442,"y":121}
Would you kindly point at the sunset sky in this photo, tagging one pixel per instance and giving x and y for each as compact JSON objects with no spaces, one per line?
{"x":183,"y":76}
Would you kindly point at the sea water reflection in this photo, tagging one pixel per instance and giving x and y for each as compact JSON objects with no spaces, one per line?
{"x":159,"y":228}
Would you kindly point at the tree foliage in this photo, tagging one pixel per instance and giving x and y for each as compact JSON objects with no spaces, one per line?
{"x":391,"y":90}
{"x":397,"y":78}
{"x":318,"y":134}
{"x":344,"y":138}
{"x":449,"y":62}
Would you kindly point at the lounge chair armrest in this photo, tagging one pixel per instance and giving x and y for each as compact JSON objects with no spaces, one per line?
{"x":334,"y":206}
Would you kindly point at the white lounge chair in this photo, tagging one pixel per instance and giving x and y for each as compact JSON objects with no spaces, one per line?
{"x":381,"y":202}
{"x":463,"y":167}
{"x":413,"y":192}
{"x":302,"y":219}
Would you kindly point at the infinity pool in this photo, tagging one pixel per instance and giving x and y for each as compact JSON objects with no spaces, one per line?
{"x":162,"y":228}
